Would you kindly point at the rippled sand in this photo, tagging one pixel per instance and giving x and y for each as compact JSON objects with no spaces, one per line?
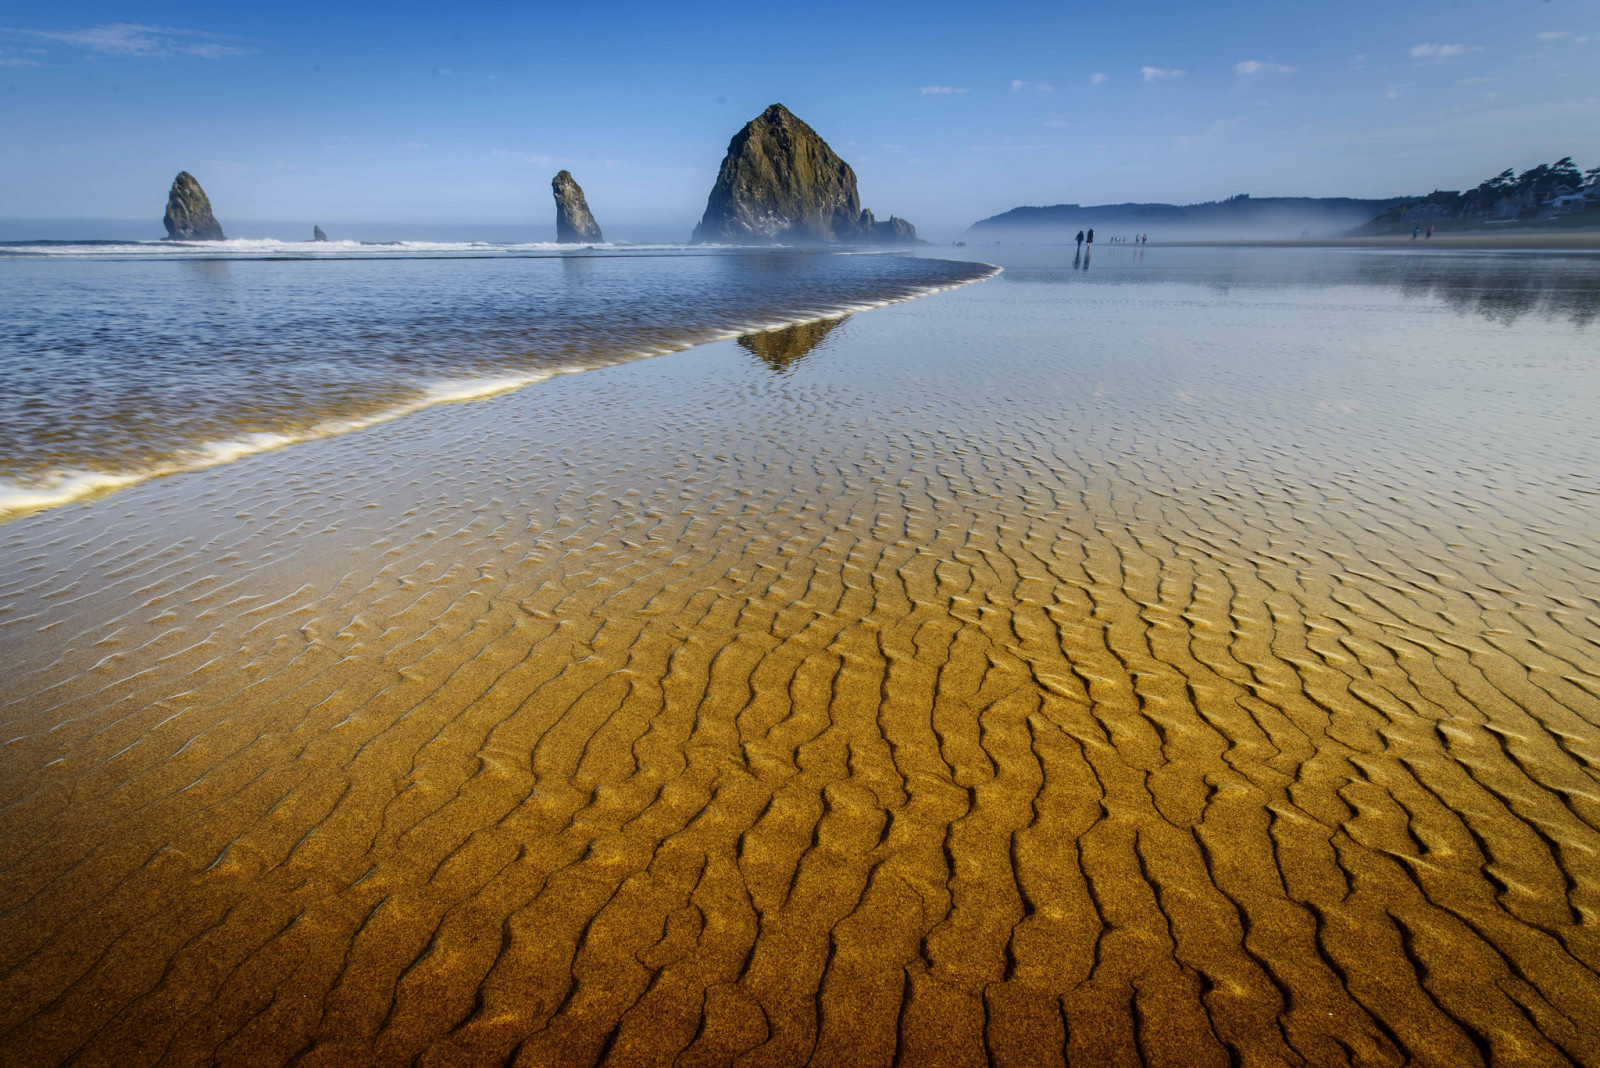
{"x":1035,"y":673}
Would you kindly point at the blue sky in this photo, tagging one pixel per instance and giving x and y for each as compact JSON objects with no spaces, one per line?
{"x":949,"y":112}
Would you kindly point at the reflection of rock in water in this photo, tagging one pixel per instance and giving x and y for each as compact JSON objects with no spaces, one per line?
{"x":779,"y":349}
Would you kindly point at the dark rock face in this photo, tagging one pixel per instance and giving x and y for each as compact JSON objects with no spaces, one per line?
{"x":317,"y":234}
{"x":189,"y":215}
{"x":574,"y":224}
{"x":780,"y":183}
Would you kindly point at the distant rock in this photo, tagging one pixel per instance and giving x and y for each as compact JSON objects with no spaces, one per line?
{"x":317,"y":234}
{"x":780,"y":183}
{"x":574,"y":224}
{"x":189,"y":215}
{"x":894,"y":232}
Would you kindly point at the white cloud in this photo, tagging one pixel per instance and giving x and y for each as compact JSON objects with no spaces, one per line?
{"x":1018,"y":83}
{"x":1256,"y":66}
{"x":1153,"y":73}
{"x":1553,"y":35}
{"x":132,"y":39}
{"x":1098,"y":79}
{"x":412,"y":144}
{"x":1057,"y":122}
{"x":17,"y":61}
{"x":1441,"y":51}
{"x":939,"y":90}
{"x":1043,"y":87}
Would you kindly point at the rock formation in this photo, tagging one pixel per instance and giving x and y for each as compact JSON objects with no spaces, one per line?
{"x":780,"y":183}
{"x":574,"y":224}
{"x":189,"y":215}
{"x":894,"y":232}
{"x":317,"y":234}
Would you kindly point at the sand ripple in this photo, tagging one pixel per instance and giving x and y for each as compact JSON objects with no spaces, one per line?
{"x":685,"y":713}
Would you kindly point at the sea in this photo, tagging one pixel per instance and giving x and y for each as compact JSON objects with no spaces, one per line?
{"x":126,"y":360}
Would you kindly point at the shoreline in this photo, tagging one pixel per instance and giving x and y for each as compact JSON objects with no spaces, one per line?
{"x":66,"y":486}
{"x":1583,"y":241}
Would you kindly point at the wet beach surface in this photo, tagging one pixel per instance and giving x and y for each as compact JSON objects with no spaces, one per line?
{"x":1190,"y":660}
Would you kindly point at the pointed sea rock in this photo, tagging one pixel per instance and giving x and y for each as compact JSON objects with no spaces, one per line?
{"x":317,"y":234}
{"x":780,"y":183}
{"x":574,"y":224}
{"x":189,"y":215}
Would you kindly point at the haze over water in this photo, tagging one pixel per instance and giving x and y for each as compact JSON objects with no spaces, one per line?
{"x":1183,"y":657}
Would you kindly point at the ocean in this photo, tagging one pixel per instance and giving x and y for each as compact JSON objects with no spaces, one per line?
{"x":126,"y":360}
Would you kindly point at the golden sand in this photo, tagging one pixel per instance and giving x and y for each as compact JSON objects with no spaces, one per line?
{"x":685,"y":713}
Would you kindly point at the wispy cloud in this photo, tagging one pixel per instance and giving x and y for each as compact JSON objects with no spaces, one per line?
{"x":1258,"y":66}
{"x":1553,"y":35}
{"x":1395,"y":92}
{"x":939,"y":90}
{"x":18,"y":61}
{"x":1441,"y":51}
{"x":1156,"y":73}
{"x":1041,"y":87}
{"x":1099,"y":79}
{"x":137,"y":40}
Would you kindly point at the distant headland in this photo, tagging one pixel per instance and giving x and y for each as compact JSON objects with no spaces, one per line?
{"x":1242,"y":216}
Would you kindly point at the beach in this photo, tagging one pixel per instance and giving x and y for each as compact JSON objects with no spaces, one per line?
{"x":1190,"y":658}
{"x":1526,"y":240}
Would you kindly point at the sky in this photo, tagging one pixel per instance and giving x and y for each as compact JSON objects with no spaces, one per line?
{"x":459,"y":115}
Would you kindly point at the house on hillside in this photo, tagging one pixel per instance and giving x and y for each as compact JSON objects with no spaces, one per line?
{"x":1513,"y":205}
{"x":1569,"y":204}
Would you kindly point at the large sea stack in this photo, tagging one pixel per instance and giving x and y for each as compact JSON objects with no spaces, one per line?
{"x":574,"y":224}
{"x":781,"y":184}
{"x":189,"y":215}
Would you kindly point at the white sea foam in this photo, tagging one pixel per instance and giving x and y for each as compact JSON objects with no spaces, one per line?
{"x":59,"y":487}
{"x":269,"y":248}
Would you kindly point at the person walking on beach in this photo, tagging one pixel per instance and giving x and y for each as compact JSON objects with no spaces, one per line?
{"x":1430,"y":230}
{"x":1091,"y":237}
{"x":1080,"y":239}
{"x":1415,"y":230}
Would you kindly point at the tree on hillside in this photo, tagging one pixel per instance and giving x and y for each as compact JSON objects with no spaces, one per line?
{"x":1565,"y":172}
{"x":1502,"y":184}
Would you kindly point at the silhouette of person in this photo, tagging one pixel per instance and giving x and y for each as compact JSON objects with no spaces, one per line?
{"x":1080,"y":239}
{"x":1091,"y":237}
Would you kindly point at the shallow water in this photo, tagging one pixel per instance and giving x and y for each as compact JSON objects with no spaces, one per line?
{"x":123,"y":361}
{"x":1192,"y":661}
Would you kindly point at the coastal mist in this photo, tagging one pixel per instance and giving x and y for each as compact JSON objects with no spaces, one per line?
{"x":1168,"y":657}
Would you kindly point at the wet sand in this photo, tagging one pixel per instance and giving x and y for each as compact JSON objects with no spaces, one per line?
{"x":1517,"y":240}
{"x":1035,"y":673}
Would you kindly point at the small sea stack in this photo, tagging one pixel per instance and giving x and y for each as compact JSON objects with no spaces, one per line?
{"x":189,"y":215}
{"x":574,"y":223}
{"x":317,"y":234}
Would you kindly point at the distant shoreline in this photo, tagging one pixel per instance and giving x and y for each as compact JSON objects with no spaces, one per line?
{"x":1579,"y":241}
